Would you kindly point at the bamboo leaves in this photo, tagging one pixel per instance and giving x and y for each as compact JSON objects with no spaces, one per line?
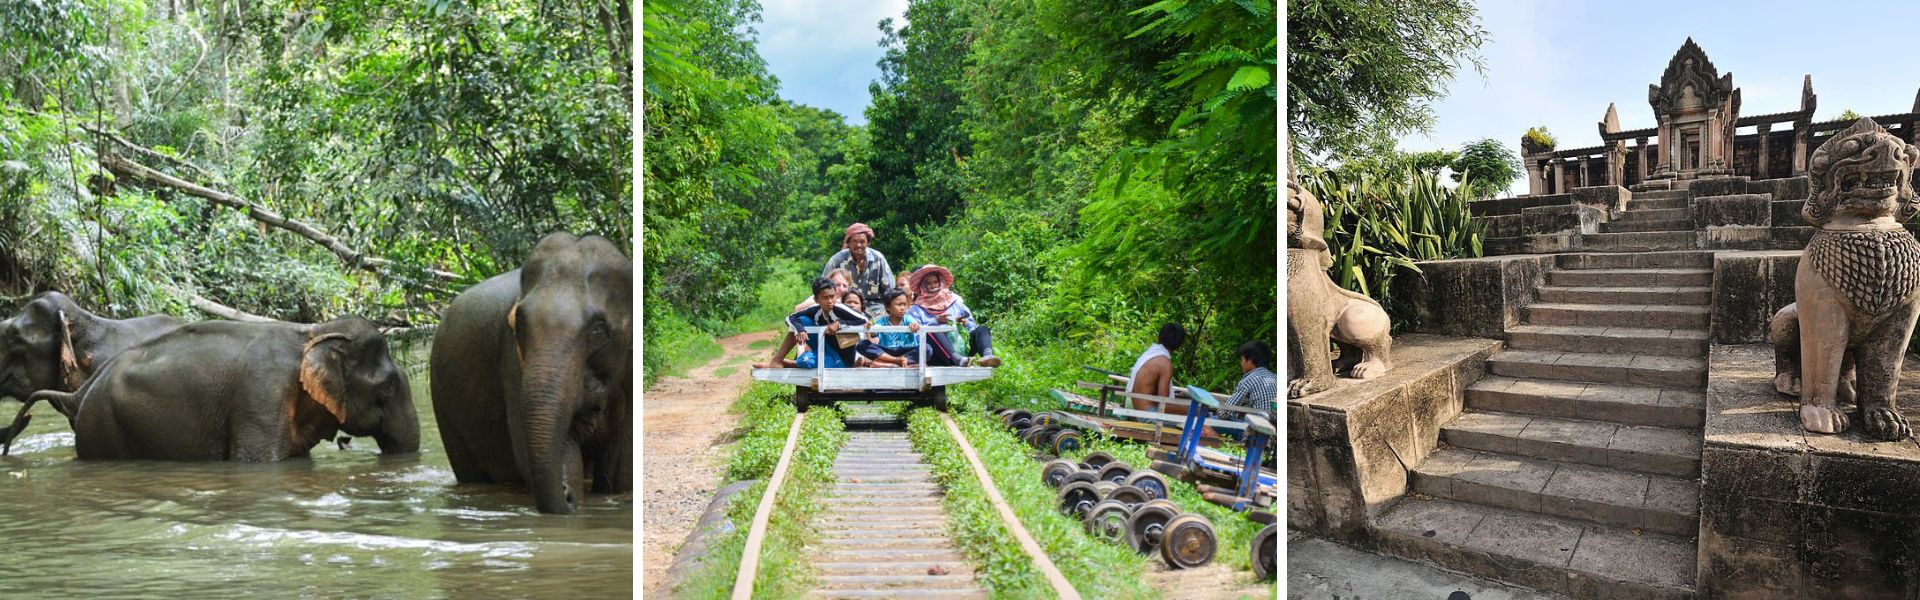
{"x":1380,"y":224}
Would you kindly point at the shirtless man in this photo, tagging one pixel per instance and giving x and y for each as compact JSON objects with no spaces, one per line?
{"x":1153,"y":373}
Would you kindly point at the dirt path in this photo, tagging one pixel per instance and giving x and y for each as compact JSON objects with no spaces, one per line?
{"x":685,"y":423}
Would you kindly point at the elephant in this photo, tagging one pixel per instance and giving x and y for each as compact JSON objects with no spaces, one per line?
{"x":531,"y":374}
{"x":54,"y":344}
{"x":250,"y":392}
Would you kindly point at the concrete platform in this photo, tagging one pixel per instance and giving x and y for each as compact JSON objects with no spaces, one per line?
{"x":1318,"y":569}
{"x":1350,"y":447}
{"x":1790,"y":514}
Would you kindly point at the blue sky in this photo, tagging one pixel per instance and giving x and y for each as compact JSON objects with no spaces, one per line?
{"x":1558,"y":64}
{"x":825,"y":53}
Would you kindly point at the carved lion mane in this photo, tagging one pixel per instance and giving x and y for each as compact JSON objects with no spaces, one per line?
{"x":1855,"y":155}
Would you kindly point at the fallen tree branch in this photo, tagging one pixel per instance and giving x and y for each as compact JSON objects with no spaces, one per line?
{"x":198,"y":171}
{"x":205,"y":305}
{"x":126,"y":168}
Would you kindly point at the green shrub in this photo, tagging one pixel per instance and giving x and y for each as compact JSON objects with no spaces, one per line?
{"x":1379,"y":224}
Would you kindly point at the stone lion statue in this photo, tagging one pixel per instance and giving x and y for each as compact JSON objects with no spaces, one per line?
{"x":1319,"y":310}
{"x":1857,"y":290}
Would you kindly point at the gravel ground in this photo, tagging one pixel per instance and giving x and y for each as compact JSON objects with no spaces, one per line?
{"x":686,"y":430}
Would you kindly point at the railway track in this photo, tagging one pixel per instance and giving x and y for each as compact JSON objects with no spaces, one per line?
{"x":883,"y":533}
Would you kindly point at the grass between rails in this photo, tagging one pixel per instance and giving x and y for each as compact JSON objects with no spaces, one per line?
{"x":785,"y":568}
{"x":1096,"y":569}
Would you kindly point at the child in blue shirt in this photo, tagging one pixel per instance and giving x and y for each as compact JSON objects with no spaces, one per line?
{"x":893,"y":349}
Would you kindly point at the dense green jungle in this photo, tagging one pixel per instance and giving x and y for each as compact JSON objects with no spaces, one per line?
{"x":1086,"y":174}
{"x":303,"y":161}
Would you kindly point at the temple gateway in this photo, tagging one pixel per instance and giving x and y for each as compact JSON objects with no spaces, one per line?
{"x":1699,"y":133}
{"x":1612,"y":402}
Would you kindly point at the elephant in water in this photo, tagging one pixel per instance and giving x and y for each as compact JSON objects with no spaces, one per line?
{"x":254,"y":392}
{"x":53,"y":344}
{"x":531,"y":374}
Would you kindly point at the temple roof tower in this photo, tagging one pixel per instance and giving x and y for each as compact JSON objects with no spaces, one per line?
{"x":1696,"y":107}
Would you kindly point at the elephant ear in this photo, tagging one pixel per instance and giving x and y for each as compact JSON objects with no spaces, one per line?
{"x":70,"y":371}
{"x":322,"y":375}
{"x":513,"y":331}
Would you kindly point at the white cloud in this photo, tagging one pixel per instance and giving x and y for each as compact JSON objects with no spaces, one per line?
{"x":824,"y":53}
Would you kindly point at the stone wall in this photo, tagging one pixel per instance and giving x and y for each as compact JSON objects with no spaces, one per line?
{"x":1546,"y":223}
{"x":1349,"y":447}
{"x":1748,"y":287}
{"x":1479,"y":297}
{"x":1788,"y":514}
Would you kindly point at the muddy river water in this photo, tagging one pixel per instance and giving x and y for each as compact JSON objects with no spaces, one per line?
{"x":344,"y":523}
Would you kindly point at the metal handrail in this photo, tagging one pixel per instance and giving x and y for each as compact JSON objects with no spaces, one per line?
{"x":819,"y":333}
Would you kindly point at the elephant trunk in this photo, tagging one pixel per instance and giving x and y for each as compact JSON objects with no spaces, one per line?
{"x":399,"y":431}
{"x":553,"y":456}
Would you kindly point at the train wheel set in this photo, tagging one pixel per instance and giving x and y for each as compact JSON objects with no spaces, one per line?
{"x":1123,"y":505}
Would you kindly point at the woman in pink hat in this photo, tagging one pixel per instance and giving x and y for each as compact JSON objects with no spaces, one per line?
{"x":934,"y":302}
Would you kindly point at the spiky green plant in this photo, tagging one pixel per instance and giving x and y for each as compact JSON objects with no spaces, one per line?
{"x":1381,"y":224}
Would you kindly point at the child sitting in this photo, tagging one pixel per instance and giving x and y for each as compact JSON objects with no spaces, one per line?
{"x":826,"y":312}
{"x":893,"y":349}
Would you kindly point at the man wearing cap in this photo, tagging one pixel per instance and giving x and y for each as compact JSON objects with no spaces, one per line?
{"x":871,"y":274}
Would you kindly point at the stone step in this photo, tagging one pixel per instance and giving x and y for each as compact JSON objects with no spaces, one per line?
{"x":1662,"y":194}
{"x":1688,"y":295}
{"x":1641,"y":203}
{"x":1630,"y":277}
{"x":1639,"y":242}
{"x":1646,"y":226}
{"x":1619,"y":315}
{"x":1638,"y":370}
{"x":1599,"y":495}
{"x":1608,"y":340}
{"x":1637,"y":214}
{"x":1623,"y":404}
{"x":1683,"y":259}
{"x":1636,"y":448}
{"x":1551,"y":554}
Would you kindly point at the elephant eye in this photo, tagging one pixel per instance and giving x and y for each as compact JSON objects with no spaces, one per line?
{"x":599,"y":334}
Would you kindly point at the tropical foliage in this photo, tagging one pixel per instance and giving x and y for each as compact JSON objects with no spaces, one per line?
{"x":1380,"y":223}
{"x":1539,"y":137}
{"x":1087,"y":174}
{"x":443,"y":137}
{"x":1363,"y":72}
{"x":1485,"y":168}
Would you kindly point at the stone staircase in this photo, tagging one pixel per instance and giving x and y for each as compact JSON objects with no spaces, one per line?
{"x":1653,"y":221}
{"x":1575,"y":467}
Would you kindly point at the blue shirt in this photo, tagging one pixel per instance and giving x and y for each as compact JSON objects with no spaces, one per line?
{"x":898,"y":340}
